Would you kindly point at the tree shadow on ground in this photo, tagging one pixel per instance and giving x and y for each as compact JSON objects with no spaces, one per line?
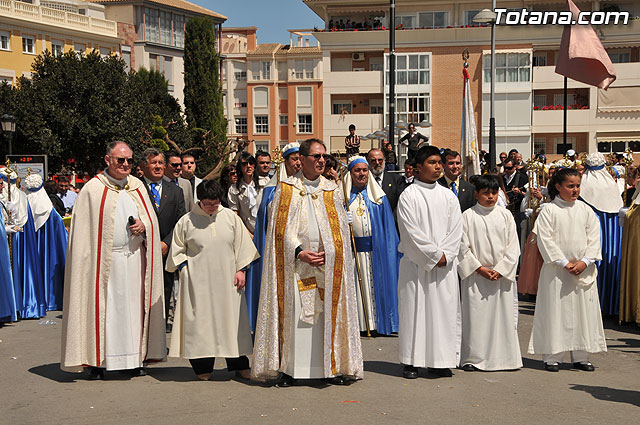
{"x":610,"y":394}
{"x":53,"y":372}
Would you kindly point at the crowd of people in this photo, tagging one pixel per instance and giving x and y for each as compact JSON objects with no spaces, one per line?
{"x":290,"y":265}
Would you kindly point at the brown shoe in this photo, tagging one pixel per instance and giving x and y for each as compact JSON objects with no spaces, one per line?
{"x":243,"y":374}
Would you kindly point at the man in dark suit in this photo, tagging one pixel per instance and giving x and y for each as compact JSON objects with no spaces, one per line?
{"x":172,"y":172}
{"x":168,"y":203}
{"x":391,"y":184}
{"x":514,"y":184}
{"x":452,"y":166}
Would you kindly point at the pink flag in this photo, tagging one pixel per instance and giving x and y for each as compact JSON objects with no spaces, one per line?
{"x":582,"y":57}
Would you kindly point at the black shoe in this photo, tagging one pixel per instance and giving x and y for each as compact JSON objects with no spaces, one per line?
{"x":444,"y":372}
{"x":587,"y":367}
{"x":551,"y":367}
{"x":139,"y":371}
{"x":469,"y":368}
{"x":286,"y":381}
{"x":95,"y":374}
{"x":410,"y":372}
{"x":169,"y":327}
{"x":336,"y":380}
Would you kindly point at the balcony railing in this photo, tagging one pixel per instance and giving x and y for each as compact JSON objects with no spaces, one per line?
{"x":39,"y":14}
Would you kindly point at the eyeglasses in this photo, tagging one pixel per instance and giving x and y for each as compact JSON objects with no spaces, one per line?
{"x":175,"y":164}
{"x":317,"y":156}
{"x":509,"y":168}
{"x":245,"y":163}
{"x":122,"y":160}
{"x":376,"y":160}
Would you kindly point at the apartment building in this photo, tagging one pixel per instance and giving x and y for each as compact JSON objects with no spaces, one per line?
{"x":153,"y":35}
{"x":431,"y":36}
{"x":272,"y":92}
{"x":27,"y":29}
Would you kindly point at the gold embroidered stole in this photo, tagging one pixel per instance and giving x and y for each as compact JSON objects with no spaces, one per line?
{"x":280,"y":227}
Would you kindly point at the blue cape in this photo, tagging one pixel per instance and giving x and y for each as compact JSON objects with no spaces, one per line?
{"x":609,"y":267}
{"x":254,"y":275}
{"x":385,"y":259}
{"x":8,"y":297}
{"x":52,"y":249}
{"x":27,"y":271}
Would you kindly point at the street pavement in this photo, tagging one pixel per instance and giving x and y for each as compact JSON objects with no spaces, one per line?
{"x":35,"y":391}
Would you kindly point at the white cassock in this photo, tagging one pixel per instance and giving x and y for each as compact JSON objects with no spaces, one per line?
{"x":362,"y":228}
{"x":124,"y":307}
{"x":567,"y":315}
{"x":212,"y":319}
{"x":306,"y":350}
{"x":430,"y":225}
{"x":489,"y":308}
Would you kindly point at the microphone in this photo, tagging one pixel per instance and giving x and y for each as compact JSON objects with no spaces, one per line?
{"x":131,"y":221}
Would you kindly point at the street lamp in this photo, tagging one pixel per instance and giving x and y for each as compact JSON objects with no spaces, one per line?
{"x":9,"y":127}
{"x":486,"y":16}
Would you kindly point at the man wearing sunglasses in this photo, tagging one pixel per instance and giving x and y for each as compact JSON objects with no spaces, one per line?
{"x":514,"y":184}
{"x":113,"y":298}
{"x":307,"y":323}
{"x":172,"y":174}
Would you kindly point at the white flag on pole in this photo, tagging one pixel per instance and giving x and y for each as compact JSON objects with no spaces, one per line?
{"x":469,"y":139}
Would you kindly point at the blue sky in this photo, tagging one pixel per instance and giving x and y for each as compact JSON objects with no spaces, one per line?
{"x":272,"y":17}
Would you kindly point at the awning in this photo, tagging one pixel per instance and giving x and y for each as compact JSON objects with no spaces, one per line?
{"x":619,"y":99}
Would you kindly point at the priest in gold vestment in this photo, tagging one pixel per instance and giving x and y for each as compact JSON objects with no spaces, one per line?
{"x":307,"y":322}
{"x":629,"y":264}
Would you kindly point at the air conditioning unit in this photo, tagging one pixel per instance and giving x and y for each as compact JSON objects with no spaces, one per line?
{"x":357,"y":56}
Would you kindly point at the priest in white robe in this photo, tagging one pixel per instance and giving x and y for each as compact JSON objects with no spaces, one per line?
{"x":211,"y":246}
{"x":307,"y":322}
{"x":113,"y":287}
{"x":487,"y":266}
{"x":567,"y":315}
{"x":376,"y":242}
{"x":430,"y":224}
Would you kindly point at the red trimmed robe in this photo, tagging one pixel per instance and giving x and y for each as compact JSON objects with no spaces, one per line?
{"x":88,"y":274}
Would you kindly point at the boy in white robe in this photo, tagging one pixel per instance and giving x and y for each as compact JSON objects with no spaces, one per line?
{"x":488,"y":261}
{"x":567,"y":315}
{"x":430,"y":225}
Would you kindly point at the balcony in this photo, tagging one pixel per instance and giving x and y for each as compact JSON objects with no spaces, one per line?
{"x":353,"y":82}
{"x":551,"y":121}
{"x":545,"y":77}
{"x":57,"y":18}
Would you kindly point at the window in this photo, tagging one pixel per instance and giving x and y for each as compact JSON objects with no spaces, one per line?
{"x":571,"y":142}
{"x":305,"y":123}
{"x":410,"y":69}
{"x":539,"y":59}
{"x":57,"y":47}
{"x":375,"y":64}
{"x":153,"y":61}
{"x":5,"y":40}
{"x":79,"y":48}
{"x":284,"y":120}
{"x":178,"y":30}
{"x":304,"y":96}
{"x":539,"y":100}
{"x":240,"y":75}
{"x":620,"y":56}
{"x":262,"y":124}
{"x":126,"y":57}
{"x":539,"y":145}
{"x":28,"y":45}
{"x":510,"y":67}
{"x":303,"y":69}
{"x":165,"y":28}
{"x":433,"y":19}
{"x":412,"y":107}
{"x":105,"y":51}
{"x":262,"y":145}
{"x":241,"y":125}
{"x":151,"y":32}
{"x":8,"y":80}
{"x":168,"y":71}
{"x":468,"y":17}
{"x":265,"y":70}
{"x":558,"y":99}
{"x":407,"y":21}
{"x":341,"y":107}
{"x":283,"y":93}
{"x":260,"y":97}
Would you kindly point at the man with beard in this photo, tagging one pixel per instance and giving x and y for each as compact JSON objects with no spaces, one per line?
{"x":391,"y":184}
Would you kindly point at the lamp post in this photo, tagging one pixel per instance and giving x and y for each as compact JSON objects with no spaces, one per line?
{"x":486,"y":16}
{"x":9,"y":127}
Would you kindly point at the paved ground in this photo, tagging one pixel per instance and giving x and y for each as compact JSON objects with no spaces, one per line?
{"x":35,"y":391}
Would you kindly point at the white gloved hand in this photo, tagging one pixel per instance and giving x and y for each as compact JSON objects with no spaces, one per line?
{"x":528,"y":212}
{"x":349,"y":217}
{"x":11,"y":229}
{"x":12,"y":207}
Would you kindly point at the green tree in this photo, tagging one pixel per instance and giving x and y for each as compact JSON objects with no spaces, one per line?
{"x":202,"y":91}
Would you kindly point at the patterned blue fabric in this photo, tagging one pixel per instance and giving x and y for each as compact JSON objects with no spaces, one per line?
{"x":27,"y":271}
{"x":609,"y":267}
{"x":156,"y":194}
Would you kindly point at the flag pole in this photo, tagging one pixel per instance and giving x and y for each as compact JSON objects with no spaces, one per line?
{"x":565,"y":148}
